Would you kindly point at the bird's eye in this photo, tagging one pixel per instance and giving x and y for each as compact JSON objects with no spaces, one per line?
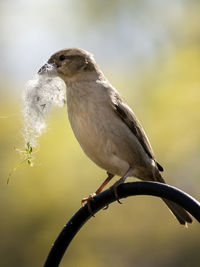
{"x":62,"y":57}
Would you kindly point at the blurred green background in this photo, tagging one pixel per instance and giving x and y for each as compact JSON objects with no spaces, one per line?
{"x":150,"y":51}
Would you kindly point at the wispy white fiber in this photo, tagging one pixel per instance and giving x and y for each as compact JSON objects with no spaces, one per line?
{"x":39,"y":95}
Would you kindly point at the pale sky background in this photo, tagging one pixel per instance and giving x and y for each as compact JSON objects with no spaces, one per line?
{"x":127,"y":34}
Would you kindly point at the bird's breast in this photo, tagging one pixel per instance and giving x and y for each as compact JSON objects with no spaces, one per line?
{"x":87,"y":121}
{"x":103,"y":136}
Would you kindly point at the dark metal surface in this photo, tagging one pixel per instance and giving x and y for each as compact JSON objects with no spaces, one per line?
{"x":125,"y":190}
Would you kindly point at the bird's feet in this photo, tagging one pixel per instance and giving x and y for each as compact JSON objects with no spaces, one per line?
{"x":120,"y":181}
{"x":114,"y":189}
{"x":88,"y":200}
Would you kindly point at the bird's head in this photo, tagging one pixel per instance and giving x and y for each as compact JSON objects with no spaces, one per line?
{"x":71,"y":64}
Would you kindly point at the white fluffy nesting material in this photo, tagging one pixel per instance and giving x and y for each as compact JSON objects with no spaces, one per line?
{"x":39,"y":96}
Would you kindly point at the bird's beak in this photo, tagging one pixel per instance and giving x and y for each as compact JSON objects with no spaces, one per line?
{"x":48,"y":68}
{"x":43,"y":69}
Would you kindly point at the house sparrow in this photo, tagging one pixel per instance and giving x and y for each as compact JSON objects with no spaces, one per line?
{"x":104,"y":125}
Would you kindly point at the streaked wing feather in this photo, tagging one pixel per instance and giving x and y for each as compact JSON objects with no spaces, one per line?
{"x":129,"y":118}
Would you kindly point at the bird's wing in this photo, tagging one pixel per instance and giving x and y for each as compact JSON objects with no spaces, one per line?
{"x":129,"y":118}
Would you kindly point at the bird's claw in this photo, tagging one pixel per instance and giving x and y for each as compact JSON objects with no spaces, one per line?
{"x":114,"y":188}
{"x":106,"y":207}
{"x":88,"y":200}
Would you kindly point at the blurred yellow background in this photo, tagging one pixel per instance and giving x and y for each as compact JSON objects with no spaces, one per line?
{"x":150,"y":51}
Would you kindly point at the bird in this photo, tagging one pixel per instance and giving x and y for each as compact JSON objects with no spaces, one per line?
{"x":104,"y":125}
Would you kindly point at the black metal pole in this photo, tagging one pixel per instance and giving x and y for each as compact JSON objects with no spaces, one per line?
{"x":101,"y":200}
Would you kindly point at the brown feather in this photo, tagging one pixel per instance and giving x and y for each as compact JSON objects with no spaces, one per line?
{"x":129,"y":118}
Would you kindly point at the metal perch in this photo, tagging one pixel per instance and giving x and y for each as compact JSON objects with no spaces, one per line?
{"x":101,"y":200}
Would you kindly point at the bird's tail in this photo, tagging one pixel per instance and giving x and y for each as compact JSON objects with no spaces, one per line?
{"x":182,"y":216}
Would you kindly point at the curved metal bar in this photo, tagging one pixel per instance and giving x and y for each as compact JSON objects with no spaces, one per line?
{"x":101,"y":200}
